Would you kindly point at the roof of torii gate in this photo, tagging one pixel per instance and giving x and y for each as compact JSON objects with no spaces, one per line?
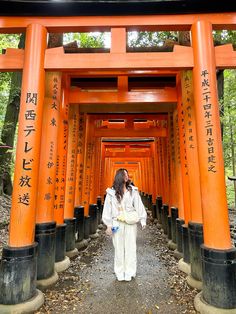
{"x":112,"y":7}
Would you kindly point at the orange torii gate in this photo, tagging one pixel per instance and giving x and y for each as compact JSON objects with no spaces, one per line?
{"x":202,"y":58}
{"x":128,"y":130}
{"x":127,"y":155}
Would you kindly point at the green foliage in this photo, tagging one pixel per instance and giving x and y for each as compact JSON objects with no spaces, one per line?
{"x":140,"y":39}
{"x":229,"y":186}
{"x":5,"y":82}
{"x":9,"y":41}
{"x":224,"y":37}
{"x":86,"y":40}
{"x":229,"y":117}
{"x":150,"y":39}
{"x":6,"y":41}
{"x":229,"y":136}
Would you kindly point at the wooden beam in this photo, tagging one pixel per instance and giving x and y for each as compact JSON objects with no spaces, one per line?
{"x":180,"y":58}
{"x":125,"y":155}
{"x":12,"y":60}
{"x":121,"y":72}
{"x":121,"y":63}
{"x":121,"y":145}
{"x":154,"y":116}
{"x":154,"y":132}
{"x":163,"y":22}
{"x":225,"y":57}
{"x":124,"y":108}
{"x":165,"y":95}
{"x":118,"y":40}
{"x":122,"y":83}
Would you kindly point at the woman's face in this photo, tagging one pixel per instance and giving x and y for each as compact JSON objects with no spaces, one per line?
{"x":126,"y":176}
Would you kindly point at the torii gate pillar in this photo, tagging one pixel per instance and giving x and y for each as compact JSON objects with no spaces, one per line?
{"x":218,"y":256}
{"x":19,"y":261}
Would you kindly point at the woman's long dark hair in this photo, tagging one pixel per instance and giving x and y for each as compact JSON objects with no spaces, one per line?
{"x":118,"y":184}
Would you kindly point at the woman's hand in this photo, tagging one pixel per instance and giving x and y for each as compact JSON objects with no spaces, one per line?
{"x":108,"y":231}
{"x":143,"y":227}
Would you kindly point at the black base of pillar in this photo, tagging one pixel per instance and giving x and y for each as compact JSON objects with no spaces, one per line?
{"x":219,"y":277}
{"x":79,"y":215}
{"x":99,"y":217}
{"x":162,"y":217}
{"x":185,"y":241}
{"x":169,"y":227}
{"x":158,"y":208}
{"x":93,"y":225}
{"x":86,"y":227}
{"x":45,"y":235}
{"x":174,"y":216}
{"x":179,"y":232}
{"x":93,"y":218}
{"x":70,"y":234}
{"x":18,"y":274}
{"x":146,"y":201}
{"x":195,"y":242}
{"x":150,"y":202}
{"x":154,"y":216}
{"x":60,"y":243}
{"x":101,"y":211}
{"x":80,"y":236}
{"x":99,"y":208}
{"x":165,"y":212}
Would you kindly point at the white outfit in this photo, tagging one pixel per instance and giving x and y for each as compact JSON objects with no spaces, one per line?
{"x":124,"y":240}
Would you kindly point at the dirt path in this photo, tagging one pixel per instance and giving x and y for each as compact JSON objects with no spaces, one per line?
{"x":89,"y":285}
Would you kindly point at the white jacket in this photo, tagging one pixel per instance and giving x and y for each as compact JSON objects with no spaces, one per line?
{"x":130,"y":200}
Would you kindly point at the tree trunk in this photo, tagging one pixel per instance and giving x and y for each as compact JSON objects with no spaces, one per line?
{"x":55,"y":40}
{"x":9,"y":130}
{"x":184,"y":38}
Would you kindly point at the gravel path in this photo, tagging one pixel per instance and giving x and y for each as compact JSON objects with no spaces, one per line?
{"x":89,"y":285}
{"x":149,"y":292}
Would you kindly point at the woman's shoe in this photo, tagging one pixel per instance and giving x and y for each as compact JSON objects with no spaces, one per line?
{"x":120,"y":278}
{"x":127,"y":278}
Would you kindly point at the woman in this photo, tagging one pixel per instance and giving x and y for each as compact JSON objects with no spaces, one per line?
{"x":123,"y":197}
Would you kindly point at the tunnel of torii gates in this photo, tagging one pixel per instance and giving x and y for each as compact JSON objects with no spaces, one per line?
{"x":83,"y":116}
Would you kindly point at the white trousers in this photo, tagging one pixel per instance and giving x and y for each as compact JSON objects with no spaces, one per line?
{"x":124,"y":241}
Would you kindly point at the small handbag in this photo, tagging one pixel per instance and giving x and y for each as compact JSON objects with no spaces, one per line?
{"x":130,"y":217}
